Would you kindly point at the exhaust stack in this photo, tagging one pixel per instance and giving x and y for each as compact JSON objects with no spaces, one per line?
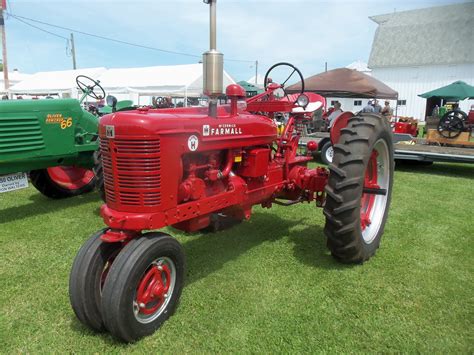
{"x":213,"y":64}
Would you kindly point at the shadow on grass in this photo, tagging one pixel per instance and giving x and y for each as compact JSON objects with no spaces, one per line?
{"x":108,"y":339}
{"x":441,"y":169}
{"x":209,"y":252}
{"x":40,"y":205}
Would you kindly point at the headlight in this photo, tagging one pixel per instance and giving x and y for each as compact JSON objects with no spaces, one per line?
{"x":302,"y":101}
{"x":111,"y":101}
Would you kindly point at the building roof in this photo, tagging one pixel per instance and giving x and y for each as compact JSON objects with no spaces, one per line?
{"x":430,"y":36}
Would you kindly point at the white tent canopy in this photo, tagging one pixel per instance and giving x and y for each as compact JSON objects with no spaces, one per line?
{"x":173,"y":80}
{"x":54,"y":82}
{"x":360,"y":66}
{"x":260,"y":81}
{"x":14,"y":77}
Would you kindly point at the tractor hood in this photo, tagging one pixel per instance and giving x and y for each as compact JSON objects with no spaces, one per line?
{"x":239,"y":130}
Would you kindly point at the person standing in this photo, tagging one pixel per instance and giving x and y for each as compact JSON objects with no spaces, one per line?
{"x":387,"y":111}
{"x":377,"y":107}
{"x":368,"y":108}
{"x":335,"y":113}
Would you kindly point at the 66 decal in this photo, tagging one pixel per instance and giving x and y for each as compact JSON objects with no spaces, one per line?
{"x":193,"y":143}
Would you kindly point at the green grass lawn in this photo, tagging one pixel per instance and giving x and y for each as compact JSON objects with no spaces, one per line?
{"x":267,"y":285}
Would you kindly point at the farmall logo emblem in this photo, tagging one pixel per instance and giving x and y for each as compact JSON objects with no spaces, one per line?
{"x":224,"y":129}
{"x":110,"y":131}
{"x":193,"y":143}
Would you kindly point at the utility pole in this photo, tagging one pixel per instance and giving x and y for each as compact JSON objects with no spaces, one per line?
{"x":73,"y":52}
{"x":325,"y":66}
{"x":4,"y":45}
{"x":256,"y":72}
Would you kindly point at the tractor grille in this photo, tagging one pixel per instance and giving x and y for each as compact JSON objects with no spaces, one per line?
{"x":132,"y":171}
{"x":20,"y":135}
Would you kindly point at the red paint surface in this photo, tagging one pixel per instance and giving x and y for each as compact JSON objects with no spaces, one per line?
{"x":70,"y":177}
{"x":155,"y":177}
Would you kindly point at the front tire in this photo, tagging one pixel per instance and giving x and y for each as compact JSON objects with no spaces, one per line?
{"x":88,"y":274}
{"x":356,"y":209}
{"x":143,"y":286}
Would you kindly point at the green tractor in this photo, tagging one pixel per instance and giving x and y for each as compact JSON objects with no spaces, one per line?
{"x":54,"y":140}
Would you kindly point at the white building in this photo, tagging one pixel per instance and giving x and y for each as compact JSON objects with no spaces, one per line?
{"x":421,"y":50}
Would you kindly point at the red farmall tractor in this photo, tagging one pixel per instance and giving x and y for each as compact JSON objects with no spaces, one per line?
{"x":191,"y":167}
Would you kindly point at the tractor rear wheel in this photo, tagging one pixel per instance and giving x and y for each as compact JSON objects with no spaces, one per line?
{"x":63,"y":181}
{"x":88,"y":274}
{"x":359,"y":188}
{"x":143,"y":286}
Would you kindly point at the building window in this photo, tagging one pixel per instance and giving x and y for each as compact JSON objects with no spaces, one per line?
{"x":357,"y":102}
{"x":402,"y":102}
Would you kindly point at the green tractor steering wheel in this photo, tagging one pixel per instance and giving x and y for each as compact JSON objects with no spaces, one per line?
{"x":88,"y":87}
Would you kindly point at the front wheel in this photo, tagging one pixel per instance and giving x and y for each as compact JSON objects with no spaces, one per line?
{"x":143,"y":286}
{"x":88,"y":274}
{"x":359,"y":188}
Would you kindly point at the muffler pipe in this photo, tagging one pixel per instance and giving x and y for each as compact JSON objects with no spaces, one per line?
{"x":213,"y":64}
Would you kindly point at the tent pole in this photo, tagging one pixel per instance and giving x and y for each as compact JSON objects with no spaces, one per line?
{"x":396,"y":109}
{"x":185,"y":96}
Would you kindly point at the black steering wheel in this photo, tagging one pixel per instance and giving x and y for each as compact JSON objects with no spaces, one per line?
{"x":88,"y":86}
{"x":452,"y":124}
{"x":295,"y":69}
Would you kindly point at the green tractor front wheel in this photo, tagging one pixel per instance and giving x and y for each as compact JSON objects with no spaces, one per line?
{"x":63,"y":181}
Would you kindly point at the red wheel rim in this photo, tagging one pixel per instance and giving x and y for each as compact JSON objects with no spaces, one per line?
{"x":70,"y":177}
{"x":367,"y":201}
{"x":154,"y":290}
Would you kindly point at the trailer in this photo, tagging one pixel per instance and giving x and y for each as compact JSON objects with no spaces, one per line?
{"x":406,"y":148}
{"x":422,"y":152}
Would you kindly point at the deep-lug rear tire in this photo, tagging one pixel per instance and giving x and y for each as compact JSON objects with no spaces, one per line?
{"x":45,"y":184}
{"x":87,"y":277}
{"x":355,"y":220}
{"x":143,"y":286}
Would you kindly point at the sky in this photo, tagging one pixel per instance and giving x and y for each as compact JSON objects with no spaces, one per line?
{"x":306,"y":33}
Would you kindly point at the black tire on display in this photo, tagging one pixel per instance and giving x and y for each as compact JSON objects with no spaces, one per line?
{"x":327,"y":153}
{"x":88,"y":274}
{"x":43,"y":182}
{"x":353,"y":229}
{"x":143,"y":286}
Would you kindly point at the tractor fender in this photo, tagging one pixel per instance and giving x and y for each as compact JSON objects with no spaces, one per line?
{"x":339,"y":123}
